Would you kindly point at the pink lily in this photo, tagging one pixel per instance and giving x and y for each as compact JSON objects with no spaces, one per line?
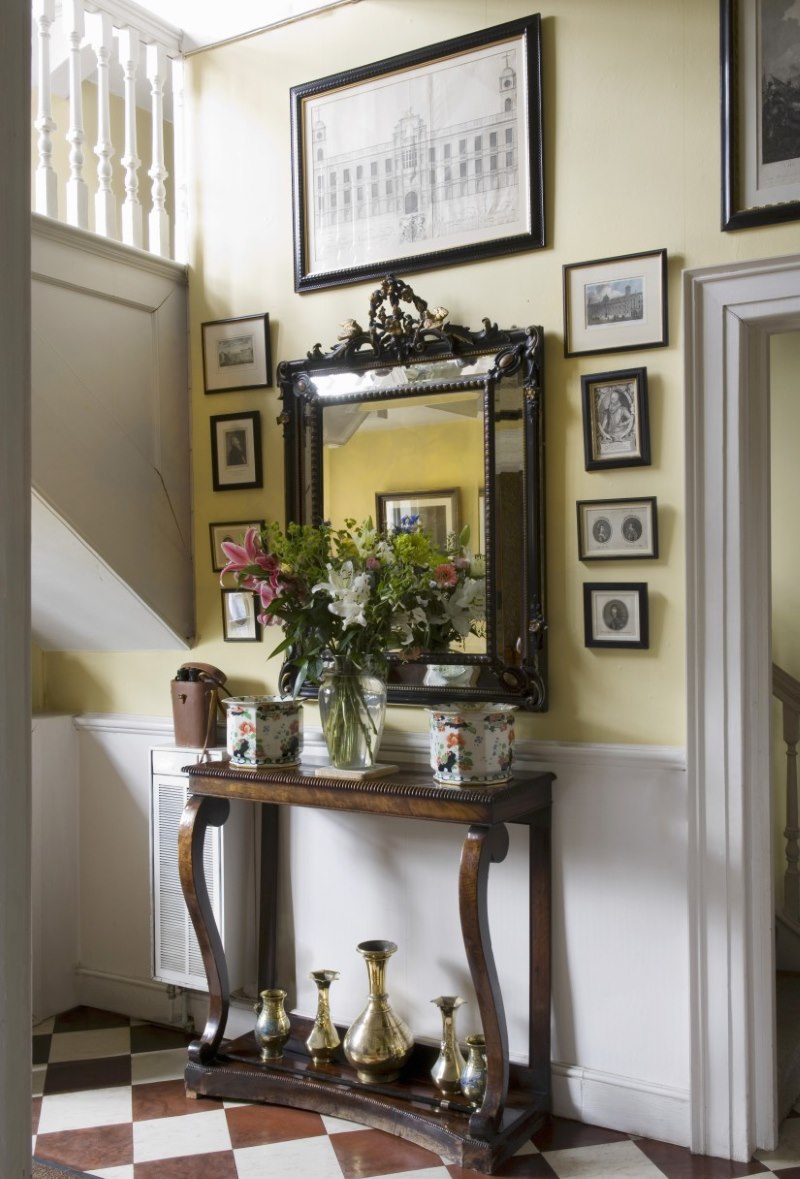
{"x":240,"y":556}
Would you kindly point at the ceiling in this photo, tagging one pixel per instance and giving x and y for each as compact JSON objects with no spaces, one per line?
{"x":208,"y":22}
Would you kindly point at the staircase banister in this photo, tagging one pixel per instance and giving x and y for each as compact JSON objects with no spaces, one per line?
{"x":786,"y":688}
{"x":150,"y":27}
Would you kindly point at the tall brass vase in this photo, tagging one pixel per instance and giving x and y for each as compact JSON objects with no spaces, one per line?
{"x":324,"y":1039}
{"x":449,"y":1065}
{"x":378,"y":1043}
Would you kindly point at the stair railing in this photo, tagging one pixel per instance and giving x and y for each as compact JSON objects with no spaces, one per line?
{"x":787,"y":690}
{"x":122,"y":50}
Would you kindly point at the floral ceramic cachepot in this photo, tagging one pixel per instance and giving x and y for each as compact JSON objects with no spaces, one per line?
{"x":264,"y":730}
{"x":472,"y":743}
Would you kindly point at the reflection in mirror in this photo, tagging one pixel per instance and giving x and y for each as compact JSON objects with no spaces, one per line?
{"x":420,"y":418}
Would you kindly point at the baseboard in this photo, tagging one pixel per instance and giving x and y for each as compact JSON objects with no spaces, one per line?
{"x":627,"y":1104}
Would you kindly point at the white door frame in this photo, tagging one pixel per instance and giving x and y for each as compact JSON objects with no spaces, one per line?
{"x":729,"y":314}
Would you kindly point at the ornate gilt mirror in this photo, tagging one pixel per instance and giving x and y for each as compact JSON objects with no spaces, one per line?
{"x":413,"y":415}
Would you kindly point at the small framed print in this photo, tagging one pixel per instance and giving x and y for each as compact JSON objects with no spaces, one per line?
{"x":437,"y":512}
{"x":235,"y":532}
{"x":616,"y":304}
{"x":617,"y":529}
{"x":239,"y":621}
{"x":616,"y":424}
{"x":615,"y":614}
{"x":236,"y":354}
{"x":236,"y":451}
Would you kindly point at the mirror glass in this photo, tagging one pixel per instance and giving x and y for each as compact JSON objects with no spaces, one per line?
{"x":446,"y":425}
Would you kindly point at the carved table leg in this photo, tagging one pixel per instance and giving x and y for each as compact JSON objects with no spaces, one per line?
{"x":482,"y":847}
{"x":200,"y":812}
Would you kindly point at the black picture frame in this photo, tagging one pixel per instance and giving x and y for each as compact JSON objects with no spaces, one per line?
{"x":236,"y":353}
{"x":236,"y":451}
{"x":493,"y":188}
{"x":616,"y":304}
{"x":239,"y":616}
{"x":618,"y":529}
{"x":616,"y":614}
{"x":616,"y":419}
{"x":756,"y":190}
{"x":227,"y":530}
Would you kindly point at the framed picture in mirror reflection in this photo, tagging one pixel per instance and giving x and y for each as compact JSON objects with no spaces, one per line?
{"x":436,"y":511}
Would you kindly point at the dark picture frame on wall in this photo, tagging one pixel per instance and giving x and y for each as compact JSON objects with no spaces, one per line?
{"x":760,"y":84}
{"x":616,"y":419}
{"x":616,"y":304}
{"x":617,"y":529}
{"x":616,"y":614}
{"x":239,"y":618}
{"x":236,"y":451}
{"x":233,"y":531}
{"x":236,"y":354}
{"x":426,"y":159}
{"x":437,"y":511}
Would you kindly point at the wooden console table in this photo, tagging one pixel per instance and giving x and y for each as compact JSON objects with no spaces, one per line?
{"x":517,"y":1096}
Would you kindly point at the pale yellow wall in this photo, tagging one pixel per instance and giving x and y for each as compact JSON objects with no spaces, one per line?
{"x":631,"y":109}
{"x":785,"y":495}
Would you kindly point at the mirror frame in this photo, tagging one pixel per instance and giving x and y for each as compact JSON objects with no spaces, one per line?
{"x":397,"y":337}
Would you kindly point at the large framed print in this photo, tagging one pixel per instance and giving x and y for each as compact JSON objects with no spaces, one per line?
{"x":616,"y":304}
{"x":760,"y":68}
{"x":426,"y":159}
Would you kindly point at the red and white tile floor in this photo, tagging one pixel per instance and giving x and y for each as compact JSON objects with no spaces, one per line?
{"x":109,"y":1100}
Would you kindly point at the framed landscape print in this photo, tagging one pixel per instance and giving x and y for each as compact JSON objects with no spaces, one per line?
{"x":616,"y":614}
{"x":760,"y":68}
{"x":426,"y":159}
{"x":617,"y":529}
{"x":616,"y":304}
{"x":236,"y":354}
{"x":616,"y":422}
{"x":236,"y":451}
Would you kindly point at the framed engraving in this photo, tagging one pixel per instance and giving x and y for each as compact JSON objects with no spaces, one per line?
{"x":236,"y":451}
{"x":617,"y":529}
{"x":616,"y":424}
{"x":236,"y":354}
{"x":616,"y":304}
{"x":616,"y":614}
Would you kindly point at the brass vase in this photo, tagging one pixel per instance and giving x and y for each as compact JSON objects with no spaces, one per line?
{"x":449,"y":1065}
{"x":473,"y":1075}
{"x":378,"y":1043}
{"x":272,"y":1026}
{"x":324,"y":1039}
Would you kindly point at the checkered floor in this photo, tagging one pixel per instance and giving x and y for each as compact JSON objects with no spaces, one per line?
{"x":109,"y":1100}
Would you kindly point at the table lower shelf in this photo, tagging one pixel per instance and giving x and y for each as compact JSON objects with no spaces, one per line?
{"x":411,"y":1108}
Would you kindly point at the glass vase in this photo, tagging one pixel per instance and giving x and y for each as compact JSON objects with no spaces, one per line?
{"x":352,"y":707}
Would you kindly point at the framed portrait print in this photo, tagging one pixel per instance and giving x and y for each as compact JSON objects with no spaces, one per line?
{"x":760,"y":69}
{"x":437,"y":512}
{"x":616,"y":424}
{"x":235,"y":532}
{"x":239,"y":621}
{"x":616,"y":304}
{"x":236,"y":354}
{"x":425,"y":159}
{"x":236,"y":451}
{"x":615,"y":614}
{"x":617,"y":529}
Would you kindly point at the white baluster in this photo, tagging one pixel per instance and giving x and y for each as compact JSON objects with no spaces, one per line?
{"x":44,"y":12}
{"x":77,"y":193}
{"x":181,"y":252}
{"x":101,"y":37}
{"x":131,"y":206}
{"x":158,"y":222}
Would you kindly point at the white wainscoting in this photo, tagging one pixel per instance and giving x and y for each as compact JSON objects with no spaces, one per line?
{"x":620,"y":923}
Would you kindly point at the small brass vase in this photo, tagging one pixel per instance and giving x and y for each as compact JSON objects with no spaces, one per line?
{"x":324,"y":1039}
{"x":473,"y":1075}
{"x":378,"y":1043}
{"x":450,"y":1064}
{"x":272,"y":1026}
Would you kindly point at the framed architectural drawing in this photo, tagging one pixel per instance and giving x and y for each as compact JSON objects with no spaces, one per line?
{"x":426,"y":159}
{"x":615,"y":614}
{"x":617,"y":529}
{"x":760,"y":67}
{"x":616,"y":423}
{"x":236,"y":451}
{"x":616,"y":304}
{"x":236,"y":354}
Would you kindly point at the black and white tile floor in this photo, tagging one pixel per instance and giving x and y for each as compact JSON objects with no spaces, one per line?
{"x":109,"y":1100}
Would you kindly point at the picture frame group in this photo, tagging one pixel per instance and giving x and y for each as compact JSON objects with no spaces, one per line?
{"x":616,"y":419}
{"x":228,"y":531}
{"x":760,"y":82}
{"x":236,"y":451}
{"x":616,"y":614}
{"x":469,"y":181}
{"x":239,"y":619}
{"x":617,"y":529}
{"x":616,"y":304}
{"x":236,"y":354}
